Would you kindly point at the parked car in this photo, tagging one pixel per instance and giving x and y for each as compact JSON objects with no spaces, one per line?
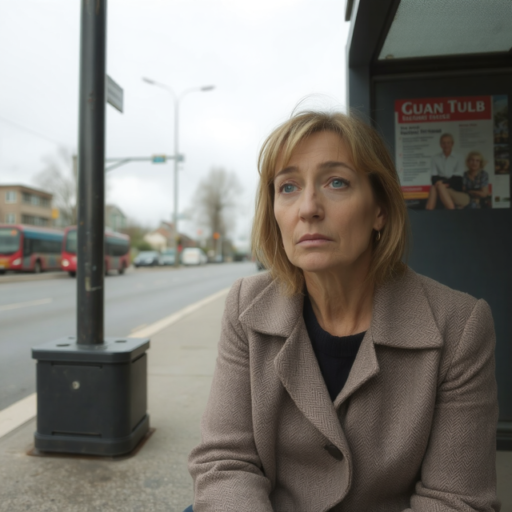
{"x":146,"y":259}
{"x":167,"y":257}
{"x":193,"y":256}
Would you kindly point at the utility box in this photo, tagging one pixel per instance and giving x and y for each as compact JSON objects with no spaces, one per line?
{"x":91,"y":399}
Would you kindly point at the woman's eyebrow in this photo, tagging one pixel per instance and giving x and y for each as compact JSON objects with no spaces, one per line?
{"x":333,"y":164}
{"x":286,"y":170}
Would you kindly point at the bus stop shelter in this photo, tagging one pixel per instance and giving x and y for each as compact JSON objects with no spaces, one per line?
{"x":435,"y":79}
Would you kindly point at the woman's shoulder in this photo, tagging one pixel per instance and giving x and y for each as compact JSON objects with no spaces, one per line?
{"x":447,"y":304}
{"x":443,"y":294}
{"x":246,"y":289}
{"x":259,"y":303}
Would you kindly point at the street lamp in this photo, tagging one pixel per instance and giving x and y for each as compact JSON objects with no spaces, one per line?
{"x":177,"y":156}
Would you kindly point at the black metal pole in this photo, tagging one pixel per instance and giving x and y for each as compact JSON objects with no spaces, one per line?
{"x":91,"y":173}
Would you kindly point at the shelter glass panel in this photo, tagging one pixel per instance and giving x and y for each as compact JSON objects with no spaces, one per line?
{"x":426,"y":28}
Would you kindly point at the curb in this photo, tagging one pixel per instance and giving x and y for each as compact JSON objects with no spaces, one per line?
{"x":16,"y":278}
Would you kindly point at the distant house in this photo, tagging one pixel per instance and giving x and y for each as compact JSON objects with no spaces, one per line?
{"x":163,"y":238}
{"x":157,"y":240}
{"x":20,"y":204}
{"x":115,"y":219}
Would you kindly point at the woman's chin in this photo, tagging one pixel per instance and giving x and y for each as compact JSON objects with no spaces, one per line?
{"x":316,"y":263}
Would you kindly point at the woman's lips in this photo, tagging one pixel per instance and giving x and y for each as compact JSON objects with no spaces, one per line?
{"x":313,"y":240}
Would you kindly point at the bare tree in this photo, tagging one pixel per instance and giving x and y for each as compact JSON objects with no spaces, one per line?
{"x":216,"y":200}
{"x":59,"y":176}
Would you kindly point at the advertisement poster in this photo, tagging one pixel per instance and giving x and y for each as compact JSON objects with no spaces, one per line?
{"x":453,"y":152}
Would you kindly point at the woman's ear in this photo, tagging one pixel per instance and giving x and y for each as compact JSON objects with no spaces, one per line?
{"x":380,"y":218}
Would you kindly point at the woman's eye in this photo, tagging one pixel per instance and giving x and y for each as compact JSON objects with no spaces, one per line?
{"x":288,"y":188}
{"x":338,"y":183}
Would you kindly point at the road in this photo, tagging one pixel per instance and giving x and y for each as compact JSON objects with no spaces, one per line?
{"x":35,"y":312}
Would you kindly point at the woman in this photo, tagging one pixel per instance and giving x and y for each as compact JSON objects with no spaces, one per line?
{"x":344,"y":381}
{"x":475,"y":187}
{"x":475,"y":182}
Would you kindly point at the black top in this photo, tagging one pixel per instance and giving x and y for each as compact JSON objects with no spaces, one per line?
{"x":335,"y":354}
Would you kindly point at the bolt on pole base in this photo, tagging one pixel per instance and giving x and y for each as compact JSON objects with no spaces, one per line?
{"x":91,"y":400}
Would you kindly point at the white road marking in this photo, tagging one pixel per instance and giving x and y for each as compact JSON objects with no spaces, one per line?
{"x":8,"y":307}
{"x":138,"y":327}
{"x":17,"y":414}
{"x":20,"y":412}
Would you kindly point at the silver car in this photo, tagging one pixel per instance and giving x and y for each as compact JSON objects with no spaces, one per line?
{"x":167,"y":257}
{"x":146,"y":259}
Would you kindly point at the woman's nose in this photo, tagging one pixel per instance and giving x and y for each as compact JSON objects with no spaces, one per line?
{"x":310,"y":206}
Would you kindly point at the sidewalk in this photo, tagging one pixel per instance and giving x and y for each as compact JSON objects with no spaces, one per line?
{"x":181,"y":363}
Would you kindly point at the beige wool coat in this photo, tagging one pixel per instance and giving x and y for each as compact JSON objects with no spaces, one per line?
{"x":413,"y":429}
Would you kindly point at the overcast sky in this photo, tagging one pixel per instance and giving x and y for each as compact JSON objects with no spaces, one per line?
{"x":263,"y":56}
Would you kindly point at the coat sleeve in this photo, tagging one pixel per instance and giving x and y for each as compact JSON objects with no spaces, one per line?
{"x":225,"y":467}
{"x":459,"y":468}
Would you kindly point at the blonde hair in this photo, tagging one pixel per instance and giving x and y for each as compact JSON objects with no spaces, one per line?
{"x":483,"y":161}
{"x":369,"y":155}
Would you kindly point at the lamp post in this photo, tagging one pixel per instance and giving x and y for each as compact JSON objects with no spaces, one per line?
{"x":177,"y":157}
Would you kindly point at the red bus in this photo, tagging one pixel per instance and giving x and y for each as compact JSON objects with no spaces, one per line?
{"x":29,"y":248}
{"x":117,"y":250}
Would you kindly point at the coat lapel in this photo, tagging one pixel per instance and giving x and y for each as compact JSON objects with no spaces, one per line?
{"x":300,"y":374}
{"x":401,"y":318}
{"x":274,"y":314}
{"x":364,"y":368}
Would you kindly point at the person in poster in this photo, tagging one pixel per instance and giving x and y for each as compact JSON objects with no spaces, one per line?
{"x":447,"y":163}
{"x":474,"y":187}
{"x":444,"y":166}
{"x":475,"y":182}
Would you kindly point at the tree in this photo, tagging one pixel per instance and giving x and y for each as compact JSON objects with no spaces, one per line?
{"x":136,"y":233}
{"x":215,"y":201}
{"x":59,"y":177}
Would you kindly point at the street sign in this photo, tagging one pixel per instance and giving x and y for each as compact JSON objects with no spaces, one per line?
{"x":115,"y":94}
{"x":159,"y":159}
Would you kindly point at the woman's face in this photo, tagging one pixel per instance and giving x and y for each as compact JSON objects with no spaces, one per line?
{"x":324,"y":207}
{"x":474,"y":163}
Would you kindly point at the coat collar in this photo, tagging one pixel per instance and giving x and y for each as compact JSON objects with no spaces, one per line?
{"x":402,"y":317}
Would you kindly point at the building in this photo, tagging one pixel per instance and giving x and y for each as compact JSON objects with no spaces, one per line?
{"x":157,"y":240}
{"x":115,"y":219}
{"x":20,"y":204}
{"x":163,"y":238}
